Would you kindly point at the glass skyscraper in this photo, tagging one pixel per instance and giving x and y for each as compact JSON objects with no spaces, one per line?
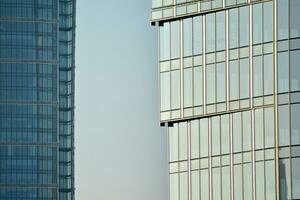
{"x":37,"y":39}
{"x":230,"y":97}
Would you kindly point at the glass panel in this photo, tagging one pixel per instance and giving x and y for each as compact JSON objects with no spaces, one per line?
{"x":174,"y":186}
{"x":294,"y":17}
{"x":211,"y":81}
{"x":204,"y":184}
{"x":210,"y":32}
{"x":283,"y":120}
{"x":221,"y":84}
{"x":296,"y":178}
{"x":173,"y":143}
{"x":188,"y":87}
{"x":225,"y":183}
{"x":247,"y":179}
{"x":187,"y":37}
{"x":198,"y":86}
{"x":225,"y":134}
{"x":203,"y":137}
{"x":244,"y":26}
{"x":269,"y":127}
{"x":183,"y":190}
{"x":295,"y":70}
{"x":175,"y":39}
{"x":233,"y":28}
{"x":285,"y":179}
{"x":220,"y":29}
{"x":260,"y":180}
{"x":238,"y":182}
{"x":164,"y":41}
{"x":215,"y":138}
{"x":234,"y":80}
{"x":165,"y":91}
{"x":247,"y":131}
{"x":245,"y":78}
{"x":268,"y":21}
{"x":195,"y":139}
{"x":168,"y":2}
{"x":270,"y":180}
{"x":283,"y":19}
{"x":237,"y":132}
{"x":195,"y":190}
{"x":283,"y":72}
{"x":156,"y":3}
{"x":216,"y":183}
{"x":183,"y":141}
{"x":295,"y":125}
{"x":198,"y":37}
{"x":257,"y":23}
{"x":259,"y":131}
{"x":257,"y":76}
{"x":268,"y":74}
{"x":175,"y":90}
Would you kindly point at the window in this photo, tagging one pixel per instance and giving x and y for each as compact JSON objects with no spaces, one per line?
{"x":175,"y":89}
{"x":285,"y":179}
{"x":188,"y":87}
{"x":247,"y":131}
{"x":216,"y":183}
{"x":257,"y":76}
{"x":203,"y":137}
{"x":237,"y":132}
{"x":283,"y":72}
{"x":226,"y":183}
{"x":183,"y":190}
{"x":233,"y":28}
{"x":210,"y":32}
{"x":269,"y":127}
{"x":225,"y":134}
{"x":295,"y":70}
{"x":270,"y":179}
{"x":295,"y":125}
{"x":268,"y":74}
{"x":283,"y":19}
{"x":221,"y":82}
{"x":259,"y":131}
{"x":215,"y":135}
{"x":296,"y":178}
{"x":183,"y":141}
{"x":260,"y":180}
{"x":198,"y":86}
{"x":195,"y":139}
{"x":245,"y":78}
{"x":198,"y":37}
{"x":174,"y":185}
{"x":220,"y":30}
{"x":211,"y":80}
{"x":238,"y":182}
{"x":268,"y":21}
{"x":244,"y":26}
{"x":283,"y":120}
{"x":257,"y":23}
{"x":247,"y":180}
{"x":165,"y":91}
{"x":234,"y":80}
{"x":173,"y":143}
{"x":187,"y":37}
{"x":204,"y":182}
{"x":175,"y":39}
{"x":294,"y":17}
{"x":195,"y":188}
{"x":165,"y":42}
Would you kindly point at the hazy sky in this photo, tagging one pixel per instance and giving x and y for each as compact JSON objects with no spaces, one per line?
{"x":120,"y":148}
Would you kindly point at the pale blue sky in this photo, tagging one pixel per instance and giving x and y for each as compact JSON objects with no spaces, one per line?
{"x":120,"y":148}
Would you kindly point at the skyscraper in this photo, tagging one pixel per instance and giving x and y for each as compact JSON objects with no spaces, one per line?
{"x":37,"y":39}
{"x":230,"y":97}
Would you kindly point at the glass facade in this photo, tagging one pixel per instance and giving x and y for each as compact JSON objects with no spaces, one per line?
{"x":230,"y":95}
{"x":36,"y":99}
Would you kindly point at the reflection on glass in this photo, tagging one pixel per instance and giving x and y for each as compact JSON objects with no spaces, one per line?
{"x":268,"y":74}
{"x":268,"y":21}
{"x":238,"y":182}
{"x":168,"y":2}
{"x":270,"y":180}
{"x":221,"y":82}
{"x":283,"y":19}
{"x":259,"y":131}
{"x":215,"y":135}
{"x":210,"y":81}
{"x":183,"y":187}
{"x":165,"y":91}
{"x":204,"y":192}
{"x":198,"y":37}
{"x":183,"y":141}
{"x":187,"y":37}
{"x":195,"y":188}
{"x":283,"y":72}
{"x":225,"y":134}
{"x":233,"y":28}
{"x":203,"y":137}
{"x":175,"y":39}
{"x":295,"y":125}
{"x":198,"y":86}
{"x":257,"y":23}
{"x":269,"y":127}
{"x":246,"y":131}
{"x":285,"y":179}
{"x":294,"y":17}
{"x":237,"y":132}
{"x":244,"y":26}
{"x":245,"y":78}
{"x":226,"y":183}
{"x":174,"y":185}
{"x":260,"y":180}
{"x":216,"y":183}
{"x":283,"y":120}
{"x":234,"y":80}
{"x":164,"y":32}
{"x":195,"y":139}
{"x":210,"y":32}
{"x":295,"y":70}
{"x":188,"y":87}
{"x":220,"y":30}
{"x":173,"y":143}
{"x":296,"y":178}
{"x":175,"y":89}
{"x":257,"y":76}
{"x":247,"y":180}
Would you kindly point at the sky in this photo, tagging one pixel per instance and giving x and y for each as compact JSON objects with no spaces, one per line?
{"x":120,"y":147}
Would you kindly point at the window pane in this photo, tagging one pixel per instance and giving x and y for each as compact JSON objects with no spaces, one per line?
{"x":283,"y":119}
{"x":195,"y":185}
{"x":183,"y":190}
{"x":204,"y":184}
{"x":269,"y":127}
{"x":295,"y":71}
{"x":165,"y":91}
{"x":198,"y":86}
{"x":188,"y":87}
{"x":257,"y":23}
{"x":210,"y":32}
{"x":183,"y":141}
{"x":270,"y":180}
{"x":268,"y":74}
{"x":234,"y":80}
{"x":168,"y":2}
{"x":175,"y":39}
{"x":197,"y":35}
{"x":285,"y":179}
{"x":211,"y":81}
{"x":225,"y":183}
{"x":174,"y":185}
{"x":173,"y":143}
{"x":233,"y":28}
{"x":187,"y":37}
{"x":237,"y":132}
{"x":257,"y":76}
{"x":295,"y":125}
{"x":246,"y":131}
{"x":195,"y":139}
{"x":164,"y":41}
{"x":216,"y":183}
{"x":203,"y":138}
{"x":283,"y":19}
{"x":295,"y":16}
{"x":259,"y":131}
{"x":247,"y":175}
{"x":244,"y":77}
{"x":260,"y":180}
{"x":283,"y":72}
{"x":221,"y":84}
{"x":268,"y":21}
{"x":215,"y":138}
{"x":238,"y":182}
{"x":296,"y":178}
{"x":225,"y":134}
{"x":220,"y":18}
{"x":156,"y":3}
{"x":175,"y":90}
{"x":244,"y":26}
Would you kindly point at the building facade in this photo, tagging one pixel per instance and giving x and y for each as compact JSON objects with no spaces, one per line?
{"x":37,"y":99}
{"x":230,"y":96}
